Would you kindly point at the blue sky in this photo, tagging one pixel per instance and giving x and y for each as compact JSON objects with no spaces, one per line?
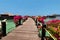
{"x":30,"y":7}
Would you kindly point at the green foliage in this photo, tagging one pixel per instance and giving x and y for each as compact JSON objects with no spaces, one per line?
{"x":52,"y":31}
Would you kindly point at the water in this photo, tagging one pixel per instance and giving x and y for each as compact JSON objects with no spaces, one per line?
{"x":9,"y":26}
{"x":57,"y":18}
{"x":48,"y":19}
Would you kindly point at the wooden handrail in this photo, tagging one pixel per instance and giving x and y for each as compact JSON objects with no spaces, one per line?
{"x":51,"y":34}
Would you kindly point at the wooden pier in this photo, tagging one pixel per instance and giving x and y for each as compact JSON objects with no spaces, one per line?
{"x":27,"y":31}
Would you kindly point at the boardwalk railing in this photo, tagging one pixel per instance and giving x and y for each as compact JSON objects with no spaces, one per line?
{"x":51,"y":35}
{"x":7,"y":26}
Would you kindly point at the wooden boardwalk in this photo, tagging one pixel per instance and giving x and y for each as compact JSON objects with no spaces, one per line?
{"x":27,"y":31}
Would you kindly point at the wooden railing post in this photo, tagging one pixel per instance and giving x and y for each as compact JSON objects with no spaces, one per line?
{"x":20,"y":23}
{"x":3,"y":28}
{"x":43,"y":32}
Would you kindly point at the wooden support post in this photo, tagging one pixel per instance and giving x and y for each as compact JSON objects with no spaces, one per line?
{"x":20,"y":21}
{"x":43,"y":32}
{"x":3,"y":28}
{"x":36,"y":22}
